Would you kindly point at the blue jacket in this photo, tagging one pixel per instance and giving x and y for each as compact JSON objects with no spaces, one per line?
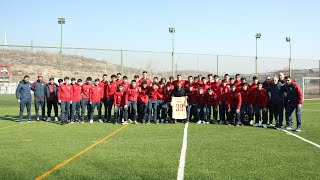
{"x":23,"y":91}
{"x":55,"y":91}
{"x":276,"y":93}
{"x":39,"y":89}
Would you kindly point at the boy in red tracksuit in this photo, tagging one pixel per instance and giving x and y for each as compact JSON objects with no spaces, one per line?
{"x":153,"y":103}
{"x":143,"y":100}
{"x":203,"y":84}
{"x":120,"y":102}
{"x":166,"y":107}
{"x":254,"y":84}
{"x":212,"y":106}
{"x":202,"y":109}
{"x":245,"y":112}
{"x":260,"y":103}
{"x":85,"y":102}
{"x":160,"y":100}
{"x":192,"y":103}
{"x":110,"y":89}
{"x":95,"y":97}
{"x":125,"y":83}
{"x":76,"y":98}
{"x":132,"y":93}
{"x":179,"y":80}
{"x":215,"y":85}
{"x":223,"y":101}
{"x":65,"y":99}
{"x":234,"y":105}
{"x":144,"y":78}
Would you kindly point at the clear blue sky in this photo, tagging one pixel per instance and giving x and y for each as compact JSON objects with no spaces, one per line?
{"x":223,"y":27}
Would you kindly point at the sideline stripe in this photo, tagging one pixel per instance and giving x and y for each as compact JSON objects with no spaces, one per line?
{"x":301,"y":138}
{"x":80,"y":153}
{"x":11,"y":126}
{"x":182,"y":162}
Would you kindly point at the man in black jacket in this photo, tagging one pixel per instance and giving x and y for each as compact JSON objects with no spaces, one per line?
{"x":179,"y":91}
{"x":276,"y":98}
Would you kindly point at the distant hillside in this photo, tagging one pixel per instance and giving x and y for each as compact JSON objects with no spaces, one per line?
{"x":48,"y":64}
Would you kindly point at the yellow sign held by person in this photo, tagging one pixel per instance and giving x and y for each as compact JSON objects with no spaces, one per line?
{"x":179,"y":107}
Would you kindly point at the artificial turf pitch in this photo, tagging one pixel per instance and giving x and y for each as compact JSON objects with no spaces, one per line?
{"x":152,"y":151}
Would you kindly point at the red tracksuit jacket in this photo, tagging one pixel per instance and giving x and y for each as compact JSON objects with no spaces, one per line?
{"x":252,"y":87}
{"x":133,"y":93}
{"x":76,"y":90}
{"x":111,"y":89}
{"x":160,"y":92}
{"x":86,"y":90}
{"x":234,"y":99}
{"x":153,"y":93}
{"x":260,"y":98}
{"x":192,"y":96}
{"x":167,"y":96}
{"x":146,"y":79}
{"x":175,"y":83}
{"x":104,"y":84}
{"x":202,"y":98}
{"x":65,"y":92}
{"x":223,"y":93}
{"x":211,"y":99}
{"x":120,"y":98}
{"x":96,"y":93}
{"x":245,"y":96}
{"x":143,"y":95}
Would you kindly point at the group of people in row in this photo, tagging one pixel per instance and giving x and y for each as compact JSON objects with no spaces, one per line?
{"x":141,"y":100}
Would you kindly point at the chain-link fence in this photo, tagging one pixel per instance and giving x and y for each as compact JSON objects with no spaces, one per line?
{"x":84,"y":62}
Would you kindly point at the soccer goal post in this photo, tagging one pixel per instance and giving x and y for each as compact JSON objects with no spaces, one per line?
{"x":311,"y":88}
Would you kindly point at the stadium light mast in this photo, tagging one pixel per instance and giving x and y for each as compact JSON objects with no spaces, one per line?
{"x":288,"y":39}
{"x":258,"y":36}
{"x":172,"y":31}
{"x":61,"y":21}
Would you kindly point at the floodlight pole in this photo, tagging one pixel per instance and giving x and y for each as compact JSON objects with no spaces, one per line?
{"x":258,"y":36}
{"x":289,"y":40}
{"x":172,"y":31}
{"x":61,"y":21}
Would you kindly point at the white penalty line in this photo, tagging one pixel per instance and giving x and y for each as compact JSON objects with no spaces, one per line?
{"x":301,"y":138}
{"x":182,"y":162}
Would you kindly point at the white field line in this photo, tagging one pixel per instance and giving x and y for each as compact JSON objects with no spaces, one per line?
{"x":314,"y":110}
{"x":301,"y":138}
{"x":182,"y":162}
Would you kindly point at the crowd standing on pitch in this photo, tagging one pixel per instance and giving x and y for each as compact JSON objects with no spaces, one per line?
{"x":144,"y":100}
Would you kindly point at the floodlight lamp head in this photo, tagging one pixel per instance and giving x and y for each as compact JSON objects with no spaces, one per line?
{"x":172,"y":30}
{"x":258,"y":35}
{"x":288,"y":39}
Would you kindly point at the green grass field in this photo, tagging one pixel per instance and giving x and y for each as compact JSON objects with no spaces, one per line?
{"x":152,"y":151}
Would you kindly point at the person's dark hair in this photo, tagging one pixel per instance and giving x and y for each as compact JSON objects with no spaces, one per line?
{"x":243,"y":78}
{"x":125,"y":77}
{"x":255,"y":78}
{"x":79,"y":80}
{"x":104,"y":75}
{"x":237,"y":75}
{"x":133,"y":81}
{"x":209,"y":75}
{"x":224,"y":81}
{"x":171,"y":78}
{"x":155,"y":78}
{"x":66,"y":78}
{"x":120,"y":85}
{"x":287,"y":77}
{"x":168,"y":85}
{"x":232,"y":85}
{"x":118,"y":74}
{"x":244,"y":84}
{"x":215,"y":76}
{"x":203,"y":78}
{"x":259,"y":83}
{"x":154,"y":84}
{"x":113,"y":76}
{"x":232,"y":78}
{"x":60,"y":80}
{"x":190,"y":77}
{"x":144,"y":72}
{"x":51,"y":79}
{"x":226,"y":75}
{"x":136,"y":76}
{"x":96,"y":80}
{"x":73,"y":79}
{"x":89,"y":78}
{"x":179,"y":75}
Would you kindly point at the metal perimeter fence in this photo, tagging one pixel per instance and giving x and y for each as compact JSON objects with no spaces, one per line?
{"x":53,"y":61}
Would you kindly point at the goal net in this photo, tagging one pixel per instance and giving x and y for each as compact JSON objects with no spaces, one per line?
{"x":311,"y":88}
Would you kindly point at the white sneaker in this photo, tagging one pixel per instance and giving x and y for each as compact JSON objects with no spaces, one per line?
{"x":124,"y":123}
{"x":130,"y":121}
{"x":204,"y":122}
{"x":208,"y":122}
{"x":56,"y":119}
{"x":91,"y":121}
{"x":100,"y":121}
{"x":255,"y":124}
{"x":251,"y":123}
{"x":199,"y":122}
{"x":49,"y":119}
{"x":135,"y":122}
{"x":38,"y":119}
{"x":264,"y":126}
